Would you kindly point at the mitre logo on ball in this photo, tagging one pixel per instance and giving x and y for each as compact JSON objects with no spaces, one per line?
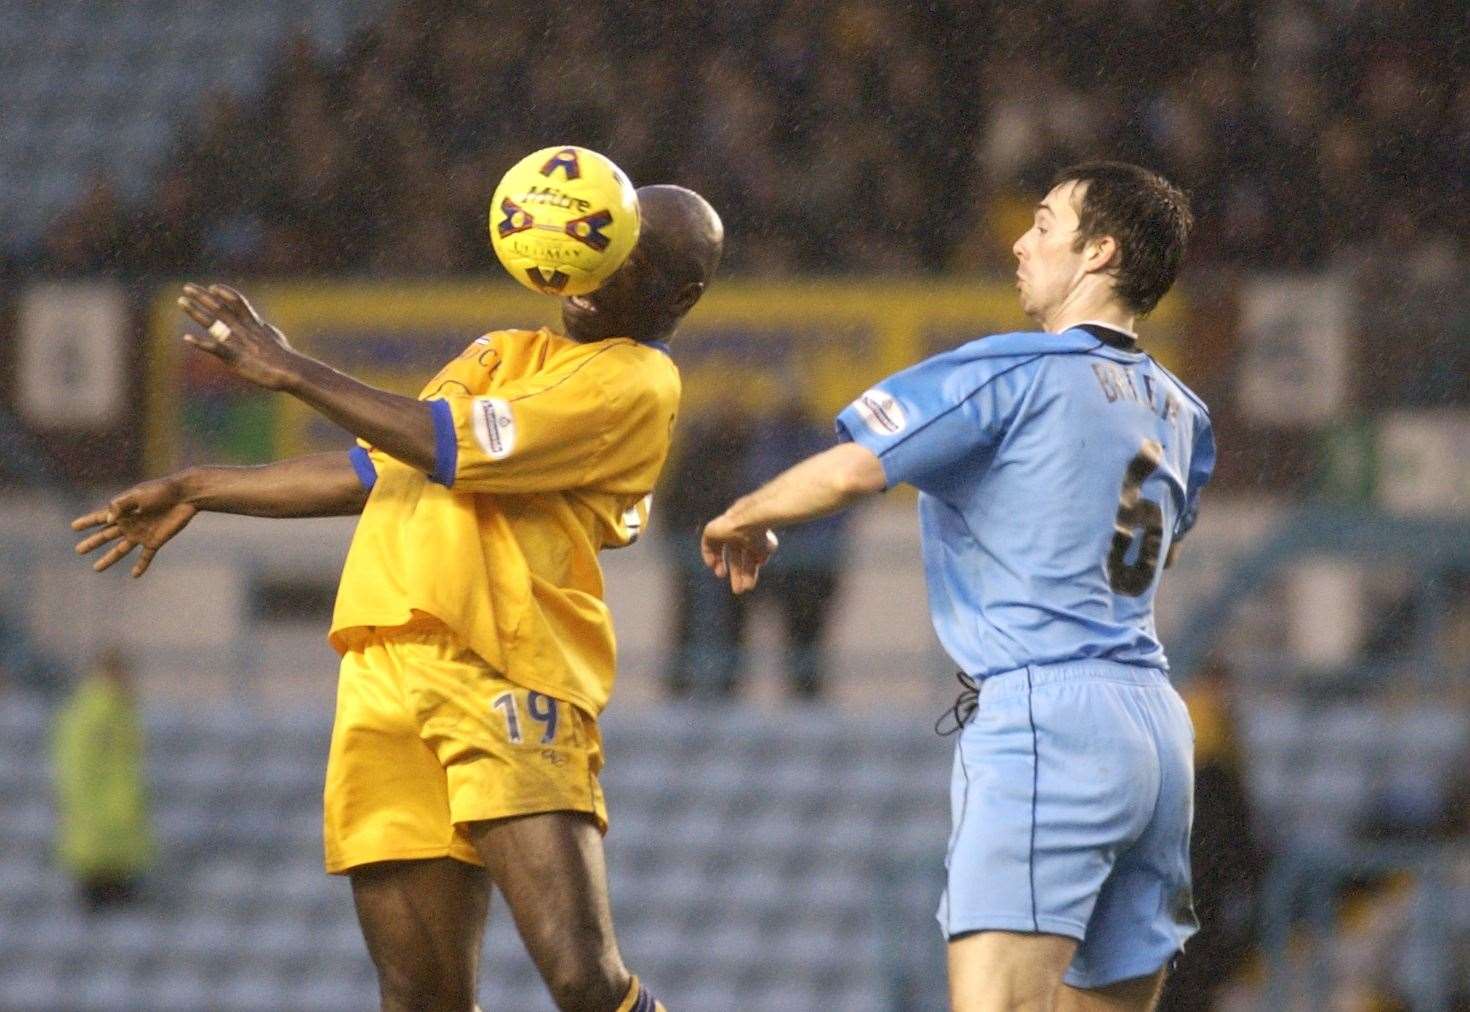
{"x":563,"y":219}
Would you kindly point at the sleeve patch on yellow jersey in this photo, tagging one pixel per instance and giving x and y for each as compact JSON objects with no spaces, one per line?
{"x":495,"y":427}
{"x":636,"y":516}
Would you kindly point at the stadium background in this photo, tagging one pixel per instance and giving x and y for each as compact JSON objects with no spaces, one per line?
{"x":873,"y":162}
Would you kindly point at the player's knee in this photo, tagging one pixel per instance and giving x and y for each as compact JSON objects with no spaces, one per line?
{"x":1139,"y":994}
{"x":593,"y":995}
{"x":1007,"y":996}
{"x":991,"y":971}
{"x":591,"y":985}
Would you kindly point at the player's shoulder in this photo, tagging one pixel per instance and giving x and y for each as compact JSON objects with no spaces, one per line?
{"x":1188,"y":394}
{"x":511,"y":335}
{"x":629,"y":371}
{"x":630,"y":350}
{"x":1023,"y":344}
{"x":1015,"y":354}
{"x":550,"y":351}
{"x":501,"y":343}
{"x":624,"y":355}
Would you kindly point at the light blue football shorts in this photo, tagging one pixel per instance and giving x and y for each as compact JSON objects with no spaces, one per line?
{"x":1072,"y":796}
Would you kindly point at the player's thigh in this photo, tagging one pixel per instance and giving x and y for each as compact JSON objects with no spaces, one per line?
{"x":504,"y":750}
{"x":1141,"y":994}
{"x":551,"y":871}
{"x":386,"y":793}
{"x":1144,"y":915}
{"x":423,"y":922}
{"x":1007,"y":971}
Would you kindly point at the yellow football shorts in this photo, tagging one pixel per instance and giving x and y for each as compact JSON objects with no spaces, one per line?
{"x":428,"y":737}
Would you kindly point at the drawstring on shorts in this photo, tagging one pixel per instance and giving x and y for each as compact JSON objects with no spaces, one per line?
{"x":964,"y":708}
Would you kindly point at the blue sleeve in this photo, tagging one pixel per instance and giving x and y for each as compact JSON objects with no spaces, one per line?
{"x":446,"y":451}
{"x":446,"y":444}
{"x":945,"y":409}
{"x":362,"y":463}
{"x":1201,"y":466}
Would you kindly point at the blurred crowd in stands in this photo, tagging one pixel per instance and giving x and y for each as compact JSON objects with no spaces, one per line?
{"x":862,"y":136}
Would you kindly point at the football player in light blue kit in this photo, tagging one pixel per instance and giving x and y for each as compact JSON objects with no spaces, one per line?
{"x":1057,"y":471}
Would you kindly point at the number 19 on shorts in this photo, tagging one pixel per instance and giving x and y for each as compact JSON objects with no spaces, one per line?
{"x":539,"y":709}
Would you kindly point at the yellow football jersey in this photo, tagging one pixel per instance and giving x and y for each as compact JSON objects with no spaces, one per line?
{"x":546,"y":452}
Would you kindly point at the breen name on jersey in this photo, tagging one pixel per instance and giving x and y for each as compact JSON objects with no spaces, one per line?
{"x":1118,"y":383}
{"x":1055,"y":471}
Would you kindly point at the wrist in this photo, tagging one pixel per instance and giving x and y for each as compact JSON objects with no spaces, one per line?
{"x":190,"y":485}
{"x":295,"y":373}
{"x":738,"y":516}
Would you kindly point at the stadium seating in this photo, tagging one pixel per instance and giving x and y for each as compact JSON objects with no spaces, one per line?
{"x":743,"y":874}
{"x":784,"y":860}
{"x":101,"y":88}
{"x":1317,"y":769}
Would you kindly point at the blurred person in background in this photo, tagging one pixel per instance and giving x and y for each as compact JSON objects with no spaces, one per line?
{"x":477,"y":650}
{"x":704,"y":659}
{"x":104,"y":838}
{"x":1225,"y":859}
{"x":1058,"y":470}
{"x":725,"y":450}
{"x":802,"y":582}
{"x":1379,"y":956}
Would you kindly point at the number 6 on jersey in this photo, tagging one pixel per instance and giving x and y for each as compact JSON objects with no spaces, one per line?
{"x":1137,"y":515}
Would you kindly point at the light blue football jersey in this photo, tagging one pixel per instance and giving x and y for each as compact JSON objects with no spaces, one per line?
{"x":1055,"y":471}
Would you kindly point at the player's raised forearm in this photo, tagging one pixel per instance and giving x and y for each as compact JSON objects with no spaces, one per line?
{"x":320,"y":485}
{"x":400,"y":426}
{"x":817,"y":486}
{"x":234,"y":333}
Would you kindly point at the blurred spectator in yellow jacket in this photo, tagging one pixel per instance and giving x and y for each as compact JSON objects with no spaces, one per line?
{"x":104,"y":837}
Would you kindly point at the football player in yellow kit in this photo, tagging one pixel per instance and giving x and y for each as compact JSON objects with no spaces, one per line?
{"x":477,"y":651}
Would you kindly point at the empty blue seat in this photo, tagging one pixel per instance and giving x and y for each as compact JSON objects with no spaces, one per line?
{"x":332,"y":992}
{"x":180,"y":988}
{"x":30,"y":985}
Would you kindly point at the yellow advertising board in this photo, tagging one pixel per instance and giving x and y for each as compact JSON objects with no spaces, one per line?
{"x":817,"y":342}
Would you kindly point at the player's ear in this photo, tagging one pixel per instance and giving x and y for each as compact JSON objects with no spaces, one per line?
{"x":1102,"y":253}
{"x":687,"y":296}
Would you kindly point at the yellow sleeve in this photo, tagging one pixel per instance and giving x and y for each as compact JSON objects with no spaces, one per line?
{"x":587,"y":424}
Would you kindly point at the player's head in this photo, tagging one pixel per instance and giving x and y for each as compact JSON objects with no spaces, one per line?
{"x":678,"y":250}
{"x":112,"y":665}
{"x":1106,"y":230}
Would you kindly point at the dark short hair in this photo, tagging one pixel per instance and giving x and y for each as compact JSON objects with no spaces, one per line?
{"x":1146,"y":215}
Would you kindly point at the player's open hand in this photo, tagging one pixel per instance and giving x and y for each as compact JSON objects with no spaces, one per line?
{"x":735,"y":553}
{"x":147,"y":515}
{"x":236,"y":335}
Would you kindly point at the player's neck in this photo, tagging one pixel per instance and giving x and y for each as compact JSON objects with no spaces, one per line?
{"x":1083,"y":307}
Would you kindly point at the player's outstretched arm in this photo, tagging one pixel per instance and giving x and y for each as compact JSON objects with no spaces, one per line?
{"x":739,"y":541}
{"x":150,"y":514}
{"x":254,"y":350}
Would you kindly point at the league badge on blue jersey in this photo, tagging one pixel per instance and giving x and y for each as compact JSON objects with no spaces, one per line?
{"x":881,"y":412}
